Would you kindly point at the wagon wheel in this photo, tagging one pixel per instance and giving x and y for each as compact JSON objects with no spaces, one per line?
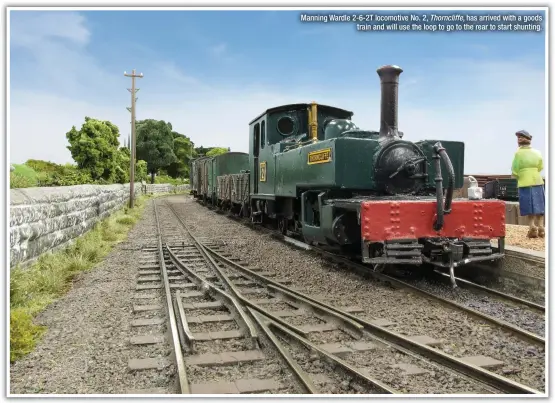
{"x":282,"y":225}
{"x":245,"y":210}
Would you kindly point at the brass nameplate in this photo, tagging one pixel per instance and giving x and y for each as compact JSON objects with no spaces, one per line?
{"x":320,"y":156}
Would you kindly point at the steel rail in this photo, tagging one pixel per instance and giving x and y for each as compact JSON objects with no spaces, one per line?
{"x":349,"y":326}
{"x":265,"y":321}
{"x":302,"y":377}
{"x":208,"y":287}
{"x":367,"y":271}
{"x":181,"y":369}
{"x":509,"y":297}
{"x":305,"y":380}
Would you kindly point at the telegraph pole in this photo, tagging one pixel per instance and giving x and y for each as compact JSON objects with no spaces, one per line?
{"x":133,"y":91}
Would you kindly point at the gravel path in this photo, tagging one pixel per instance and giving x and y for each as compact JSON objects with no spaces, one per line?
{"x":461,"y":335}
{"x":86,"y":348}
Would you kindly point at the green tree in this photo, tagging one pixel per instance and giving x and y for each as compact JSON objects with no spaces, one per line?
{"x":201,"y":151}
{"x":217,"y":151}
{"x":123,"y":160}
{"x":126,"y":151}
{"x":141,"y":172}
{"x":183,"y":149}
{"x":155,"y":144}
{"x":95,"y":148}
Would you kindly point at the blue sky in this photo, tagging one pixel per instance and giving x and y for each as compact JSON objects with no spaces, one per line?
{"x":210,"y":72}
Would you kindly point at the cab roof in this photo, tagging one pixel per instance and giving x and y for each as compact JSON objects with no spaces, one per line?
{"x":340,"y":113}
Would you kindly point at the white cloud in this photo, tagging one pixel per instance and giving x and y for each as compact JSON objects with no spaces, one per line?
{"x":30,"y":29}
{"x":482,"y":104}
{"x":56,"y":43}
{"x":172,"y":73}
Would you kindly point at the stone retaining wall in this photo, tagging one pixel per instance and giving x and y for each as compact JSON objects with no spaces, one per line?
{"x":164,"y":188}
{"x":48,"y":218}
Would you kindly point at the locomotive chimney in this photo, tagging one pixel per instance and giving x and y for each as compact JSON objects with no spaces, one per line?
{"x":389,"y":77}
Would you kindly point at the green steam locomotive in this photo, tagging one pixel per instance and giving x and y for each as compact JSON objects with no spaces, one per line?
{"x":312,"y":173}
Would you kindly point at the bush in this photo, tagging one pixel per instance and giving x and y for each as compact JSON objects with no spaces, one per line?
{"x":50,"y":174}
{"x":24,"y":334}
{"x":25,"y":170}
{"x":44,"y":166}
{"x":18,"y":182}
{"x":66,"y":176}
{"x":163,"y":179}
{"x":45,"y":173}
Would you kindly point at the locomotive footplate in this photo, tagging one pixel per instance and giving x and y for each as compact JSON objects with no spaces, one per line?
{"x":399,"y":251}
{"x":442,"y":252}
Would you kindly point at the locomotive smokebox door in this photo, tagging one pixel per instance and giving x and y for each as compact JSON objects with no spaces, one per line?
{"x":400,"y":168}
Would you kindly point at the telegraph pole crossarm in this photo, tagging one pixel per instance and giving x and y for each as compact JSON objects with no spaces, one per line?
{"x":133,"y":91}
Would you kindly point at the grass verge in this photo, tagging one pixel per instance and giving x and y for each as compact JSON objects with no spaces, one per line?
{"x":33,"y":288}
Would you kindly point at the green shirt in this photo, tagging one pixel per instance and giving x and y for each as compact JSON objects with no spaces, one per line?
{"x":527,"y":165}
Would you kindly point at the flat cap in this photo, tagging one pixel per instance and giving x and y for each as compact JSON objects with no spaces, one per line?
{"x":524,"y":133}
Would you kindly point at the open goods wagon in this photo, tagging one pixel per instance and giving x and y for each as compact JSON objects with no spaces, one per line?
{"x":218,"y":191}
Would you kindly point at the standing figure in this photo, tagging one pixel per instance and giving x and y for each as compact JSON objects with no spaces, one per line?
{"x":527,"y":165}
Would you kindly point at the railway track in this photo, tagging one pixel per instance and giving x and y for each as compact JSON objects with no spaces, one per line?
{"x":507,"y":369}
{"x":218,"y":350}
{"x":270,"y":309}
{"x":216,"y":339}
{"x":309,"y":329}
{"x":154,"y":326}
